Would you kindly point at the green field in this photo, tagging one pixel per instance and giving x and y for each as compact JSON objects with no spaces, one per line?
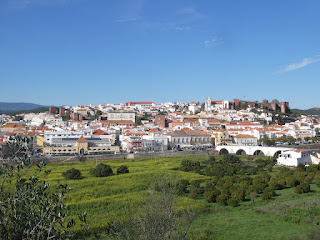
{"x":286,"y":216}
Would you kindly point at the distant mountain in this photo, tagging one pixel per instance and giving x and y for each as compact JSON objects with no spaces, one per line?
{"x":311,"y":111}
{"x":7,"y":106}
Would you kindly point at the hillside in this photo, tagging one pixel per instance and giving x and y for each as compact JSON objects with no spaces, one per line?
{"x":118,"y":197}
{"x":35,"y":110}
{"x":8,"y":106}
{"x":311,"y":111}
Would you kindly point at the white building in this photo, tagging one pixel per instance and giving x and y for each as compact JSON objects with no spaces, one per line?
{"x":189,"y":138}
{"x":216,"y":105}
{"x":65,"y":137}
{"x":119,"y":115}
{"x":295,"y":157}
{"x":162,"y":140}
{"x":245,"y":140}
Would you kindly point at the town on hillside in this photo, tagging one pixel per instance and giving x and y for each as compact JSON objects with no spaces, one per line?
{"x":219,"y":126}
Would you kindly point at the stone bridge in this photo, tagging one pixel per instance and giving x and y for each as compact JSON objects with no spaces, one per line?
{"x":251,"y":150}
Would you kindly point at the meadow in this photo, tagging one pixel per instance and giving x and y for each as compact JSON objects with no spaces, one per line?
{"x":108,"y":199}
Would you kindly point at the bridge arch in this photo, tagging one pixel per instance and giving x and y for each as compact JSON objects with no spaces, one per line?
{"x":277,"y":153}
{"x":223,"y":151}
{"x":258,"y":153}
{"x":241,"y":152}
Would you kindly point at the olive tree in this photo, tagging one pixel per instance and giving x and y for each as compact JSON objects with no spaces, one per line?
{"x":29,"y":209}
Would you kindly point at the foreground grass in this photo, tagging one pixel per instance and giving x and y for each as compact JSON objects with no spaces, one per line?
{"x":112,"y":198}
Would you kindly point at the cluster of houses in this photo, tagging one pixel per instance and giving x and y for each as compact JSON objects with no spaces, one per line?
{"x":152,"y":127}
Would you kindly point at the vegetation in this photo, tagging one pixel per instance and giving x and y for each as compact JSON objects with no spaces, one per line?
{"x":28,"y":207}
{"x":225,"y":194}
{"x":72,"y":174}
{"x":102,"y":170}
{"x":122,"y":169}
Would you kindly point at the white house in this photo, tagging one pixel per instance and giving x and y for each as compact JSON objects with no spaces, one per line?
{"x":295,"y":157}
{"x":245,"y":140}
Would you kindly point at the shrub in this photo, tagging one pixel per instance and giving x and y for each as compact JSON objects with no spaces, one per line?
{"x":211,"y":195}
{"x":251,"y":170}
{"x":306,"y":187}
{"x":252,"y":188}
{"x":268,"y":193}
{"x":228,"y":158}
{"x":274,"y":184}
{"x":259,"y":183}
{"x":291,"y":182}
{"x":317,"y":180}
{"x":232,"y":202}
{"x":186,"y":165}
{"x":212,"y":160}
{"x":122,"y":169}
{"x":309,"y":179}
{"x":102,"y":170}
{"x":223,"y":198}
{"x":298,"y":190}
{"x":195,"y":189}
{"x":72,"y":174}
{"x":182,"y":187}
{"x":238,"y":194}
{"x":217,"y":170}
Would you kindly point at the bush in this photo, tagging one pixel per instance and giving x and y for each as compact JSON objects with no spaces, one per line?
{"x":102,"y":170}
{"x":274,"y":184}
{"x":122,"y":169}
{"x":228,"y":158}
{"x":317,"y":180}
{"x":268,"y":193}
{"x":223,"y":198}
{"x":309,"y":179}
{"x":259,"y":183}
{"x":182,"y":187}
{"x":298,"y":190}
{"x":211,"y":195}
{"x":252,"y":188}
{"x":186,"y":165}
{"x":291,"y":182}
{"x":232,"y":202}
{"x":238,"y":194}
{"x":72,"y":174}
{"x":302,"y":188}
{"x":195,"y":189}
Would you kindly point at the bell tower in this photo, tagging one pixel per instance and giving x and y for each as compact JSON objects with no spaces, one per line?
{"x":207,"y":104}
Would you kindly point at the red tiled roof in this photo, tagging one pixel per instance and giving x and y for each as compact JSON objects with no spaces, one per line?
{"x":99,"y":132}
{"x":82,"y":140}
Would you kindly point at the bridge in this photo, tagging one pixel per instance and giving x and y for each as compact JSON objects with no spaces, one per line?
{"x":251,"y":150}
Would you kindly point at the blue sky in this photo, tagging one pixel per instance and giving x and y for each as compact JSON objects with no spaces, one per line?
{"x":56,"y":52}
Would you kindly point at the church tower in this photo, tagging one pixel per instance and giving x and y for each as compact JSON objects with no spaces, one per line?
{"x":207,"y":104}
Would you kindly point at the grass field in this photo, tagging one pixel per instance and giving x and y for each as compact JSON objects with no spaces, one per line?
{"x":106,"y":199}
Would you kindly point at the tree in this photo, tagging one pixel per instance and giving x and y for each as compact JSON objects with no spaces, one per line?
{"x":223,"y":198}
{"x":238,"y":194}
{"x":211,"y":195}
{"x":232,"y":202}
{"x":122,"y":169}
{"x":72,"y":174}
{"x":182,"y":187}
{"x":268,"y":193}
{"x":29,"y":208}
{"x":195,"y":189}
{"x":138,"y":121}
{"x":98,"y":114}
{"x":102,"y":170}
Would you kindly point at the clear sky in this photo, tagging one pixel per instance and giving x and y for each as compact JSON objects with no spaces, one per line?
{"x":55,"y":52}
